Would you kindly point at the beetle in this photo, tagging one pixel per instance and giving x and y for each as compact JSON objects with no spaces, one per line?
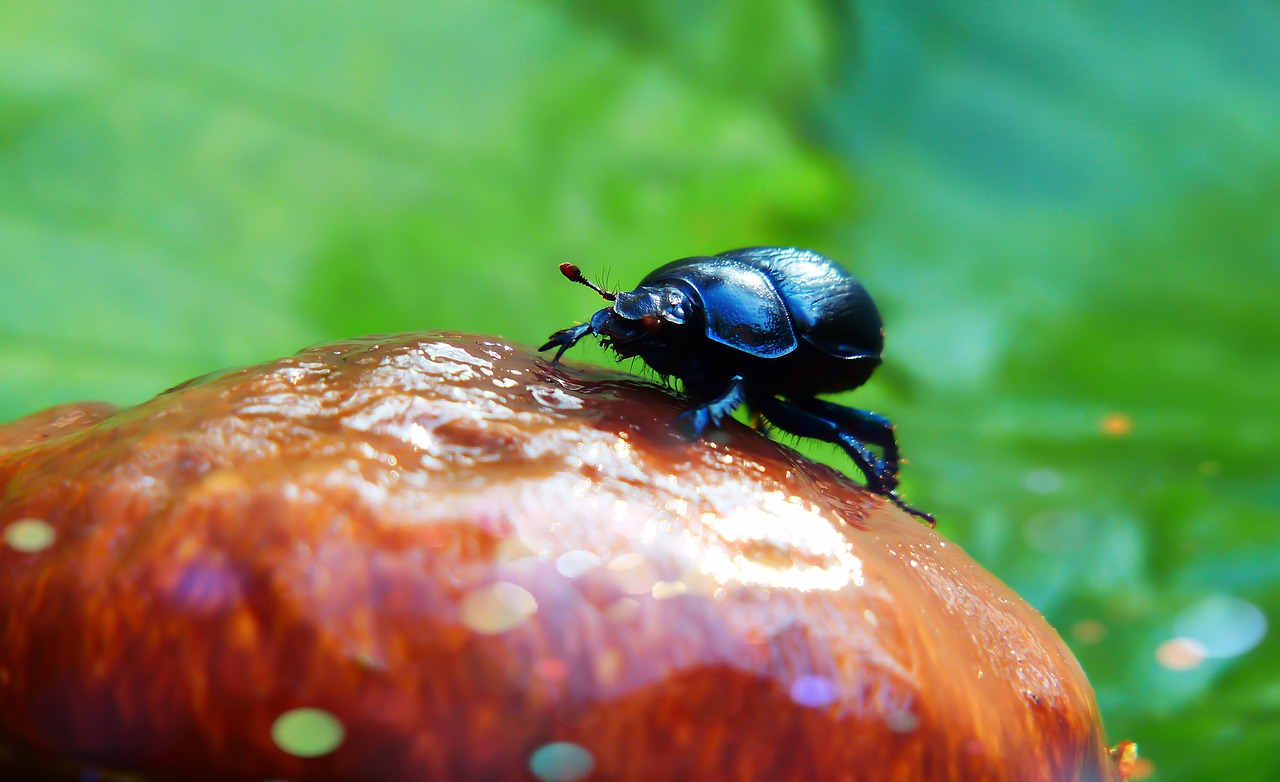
{"x":771,"y":327}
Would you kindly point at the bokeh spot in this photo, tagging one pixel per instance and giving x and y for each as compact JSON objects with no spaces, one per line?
{"x":497,"y":607}
{"x":29,"y":535}
{"x":561,"y":761}
{"x":814,"y":691}
{"x":307,"y":732}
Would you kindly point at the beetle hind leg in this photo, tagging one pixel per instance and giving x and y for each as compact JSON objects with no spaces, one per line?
{"x":846,"y":427}
{"x":868,"y":428}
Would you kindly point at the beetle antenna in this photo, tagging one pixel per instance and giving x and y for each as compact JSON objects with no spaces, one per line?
{"x":575,"y":275}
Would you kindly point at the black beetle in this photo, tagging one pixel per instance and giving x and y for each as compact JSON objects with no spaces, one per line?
{"x":769,"y":326}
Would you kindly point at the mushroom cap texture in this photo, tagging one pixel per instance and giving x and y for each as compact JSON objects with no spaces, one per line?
{"x":486,"y":567}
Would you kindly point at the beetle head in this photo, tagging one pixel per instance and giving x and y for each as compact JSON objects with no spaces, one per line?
{"x":659,"y":304}
{"x":646,"y":318}
{"x":642,"y":320}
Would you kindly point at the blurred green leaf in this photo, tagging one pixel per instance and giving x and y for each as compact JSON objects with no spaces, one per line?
{"x":189,"y":186}
{"x":1073,"y":213}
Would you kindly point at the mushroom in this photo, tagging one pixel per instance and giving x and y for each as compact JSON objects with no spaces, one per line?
{"x":437,"y":557}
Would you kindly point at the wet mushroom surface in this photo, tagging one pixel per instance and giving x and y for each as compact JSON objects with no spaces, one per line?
{"x":435,"y":556}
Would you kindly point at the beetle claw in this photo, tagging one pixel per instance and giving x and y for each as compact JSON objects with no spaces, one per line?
{"x":565,"y":339}
{"x":927,"y":518}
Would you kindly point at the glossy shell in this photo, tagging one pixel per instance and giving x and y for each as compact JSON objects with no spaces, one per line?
{"x":761,"y":299}
{"x":477,"y":566}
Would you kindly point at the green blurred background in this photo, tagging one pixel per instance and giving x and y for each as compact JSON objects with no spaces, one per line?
{"x":1069,"y":214}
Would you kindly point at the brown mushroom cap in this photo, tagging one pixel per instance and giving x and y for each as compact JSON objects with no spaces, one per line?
{"x":477,"y":566}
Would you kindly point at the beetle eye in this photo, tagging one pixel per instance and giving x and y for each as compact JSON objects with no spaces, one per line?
{"x":673,"y":308}
{"x":650,"y":324}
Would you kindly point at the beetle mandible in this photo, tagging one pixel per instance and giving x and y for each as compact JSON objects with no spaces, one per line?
{"x":769,"y":326}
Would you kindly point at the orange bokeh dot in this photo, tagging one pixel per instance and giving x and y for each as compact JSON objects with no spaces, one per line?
{"x":1088,"y":631}
{"x":1117,"y":425}
{"x":1180,"y":654}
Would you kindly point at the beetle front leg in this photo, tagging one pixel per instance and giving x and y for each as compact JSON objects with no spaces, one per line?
{"x":713,"y":411}
{"x":566,"y":338}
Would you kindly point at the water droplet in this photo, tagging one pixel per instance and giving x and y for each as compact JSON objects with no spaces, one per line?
{"x":554,"y":398}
